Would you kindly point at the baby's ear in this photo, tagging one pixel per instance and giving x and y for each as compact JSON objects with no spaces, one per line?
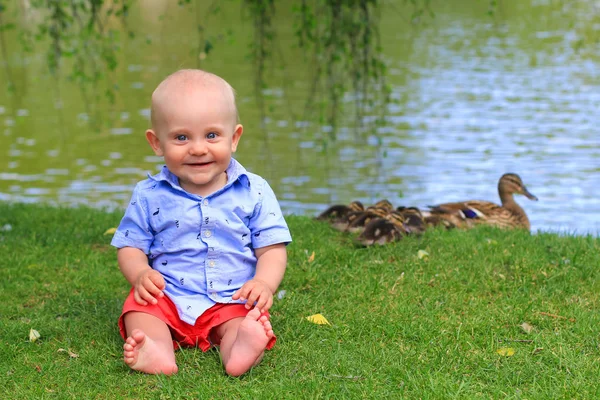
{"x":237,"y":134}
{"x":154,"y":142}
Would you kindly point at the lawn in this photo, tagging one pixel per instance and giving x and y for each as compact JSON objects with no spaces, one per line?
{"x":475,"y":314}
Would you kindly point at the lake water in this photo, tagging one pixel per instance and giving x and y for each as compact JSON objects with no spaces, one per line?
{"x":475,"y":96}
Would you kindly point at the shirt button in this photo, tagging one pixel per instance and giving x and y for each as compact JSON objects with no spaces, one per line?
{"x":207,"y":234}
{"x":212,"y":263}
{"x":205,"y":202}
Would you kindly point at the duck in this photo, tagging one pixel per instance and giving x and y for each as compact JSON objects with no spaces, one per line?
{"x":360,"y":219}
{"x":338,"y":215}
{"x":385,"y":204}
{"x":433,"y":221}
{"x":384,"y":230}
{"x":470,"y":213}
{"x":413,"y":219}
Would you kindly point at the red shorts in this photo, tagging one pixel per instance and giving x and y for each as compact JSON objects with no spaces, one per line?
{"x":184,"y":334}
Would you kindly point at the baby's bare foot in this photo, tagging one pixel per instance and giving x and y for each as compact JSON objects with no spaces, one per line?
{"x":143,"y":354}
{"x":252,"y":338}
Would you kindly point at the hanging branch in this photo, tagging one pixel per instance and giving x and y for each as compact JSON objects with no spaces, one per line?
{"x":262,"y":13}
{"x":77,"y":30}
{"x":343,"y":36}
{"x":3,"y":28}
{"x":340,"y":39}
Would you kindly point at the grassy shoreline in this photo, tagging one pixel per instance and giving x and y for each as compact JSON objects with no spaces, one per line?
{"x":402,"y":326}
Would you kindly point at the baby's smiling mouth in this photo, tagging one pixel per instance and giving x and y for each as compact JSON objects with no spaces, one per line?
{"x":199,"y":164}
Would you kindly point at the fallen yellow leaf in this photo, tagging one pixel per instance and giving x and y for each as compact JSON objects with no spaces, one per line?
{"x":312,"y":257}
{"x":422,"y":254}
{"x":33,"y":335}
{"x":318,"y":319}
{"x":110,"y":231}
{"x":506,"y":351}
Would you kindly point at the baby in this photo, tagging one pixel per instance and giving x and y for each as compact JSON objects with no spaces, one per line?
{"x":203,"y":242}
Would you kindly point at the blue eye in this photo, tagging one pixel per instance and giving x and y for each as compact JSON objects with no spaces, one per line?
{"x":181,"y":138}
{"x":211,"y":135}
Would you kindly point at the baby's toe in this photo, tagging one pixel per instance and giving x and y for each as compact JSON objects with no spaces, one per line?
{"x":267,"y":325}
{"x":254,"y":314}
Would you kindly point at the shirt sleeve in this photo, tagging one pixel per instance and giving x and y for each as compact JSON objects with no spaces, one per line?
{"x":134,"y":229}
{"x":267,"y":224}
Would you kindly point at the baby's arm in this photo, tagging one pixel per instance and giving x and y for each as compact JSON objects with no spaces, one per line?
{"x":270,"y":268}
{"x":147,"y":283}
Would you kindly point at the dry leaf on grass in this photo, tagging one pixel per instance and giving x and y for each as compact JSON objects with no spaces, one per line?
{"x":71,"y":354}
{"x":312,"y":257}
{"x":33,"y":335}
{"x":547,"y":314}
{"x":110,"y":231}
{"x":318,"y":319}
{"x":506,"y":351}
{"x":526,"y":327}
{"x":422,"y":254}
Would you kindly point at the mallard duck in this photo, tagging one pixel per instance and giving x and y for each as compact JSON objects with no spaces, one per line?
{"x":383,"y":230}
{"x":466,"y":214}
{"x":384,"y":204}
{"x":360,"y":219}
{"x":338,"y":214}
{"x":413,"y":219}
{"x":436,"y":220}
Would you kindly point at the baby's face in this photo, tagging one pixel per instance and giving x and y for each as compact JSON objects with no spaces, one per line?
{"x":196,"y":132}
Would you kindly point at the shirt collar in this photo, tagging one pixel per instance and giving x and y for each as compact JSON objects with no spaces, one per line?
{"x":165,"y":176}
{"x":235,"y":171}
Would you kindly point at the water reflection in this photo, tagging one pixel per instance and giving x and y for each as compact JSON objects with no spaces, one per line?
{"x":474,"y":97}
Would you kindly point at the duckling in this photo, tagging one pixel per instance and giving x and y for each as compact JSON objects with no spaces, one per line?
{"x":340,"y":210}
{"x":361,"y":219}
{"x":413,"y":219}
{"x":384,"y":204}
{"x":509,"y":215}
{"x":383,"y":230}
{"x":432,"y":221}
{"x":338,"y":215}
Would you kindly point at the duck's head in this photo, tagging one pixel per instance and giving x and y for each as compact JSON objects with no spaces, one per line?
{"x":396,"y":218}
{"x":379,"y":231}
{"x":407,"y":211}
{"x":377,"y":211}
{"x":511,"y":183}
{"x":356,"y":206}
{"x":384,"y":204}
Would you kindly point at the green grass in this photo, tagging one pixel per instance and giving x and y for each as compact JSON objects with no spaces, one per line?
{"x":401,"y":326}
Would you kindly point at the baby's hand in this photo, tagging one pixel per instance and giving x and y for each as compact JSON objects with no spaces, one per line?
{"x":148,"y":287}
{"x":255,"y":291}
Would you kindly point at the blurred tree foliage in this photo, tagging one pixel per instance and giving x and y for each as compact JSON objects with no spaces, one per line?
{"x":340,"y":39}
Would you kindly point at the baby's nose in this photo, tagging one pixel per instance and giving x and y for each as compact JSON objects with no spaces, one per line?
{"x":198,"y":147}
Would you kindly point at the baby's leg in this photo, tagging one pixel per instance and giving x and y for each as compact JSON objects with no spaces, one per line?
{"x":149,"y":346}
{"x":243,"y":341}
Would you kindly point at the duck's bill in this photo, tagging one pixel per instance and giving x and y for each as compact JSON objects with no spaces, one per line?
{"x":528,"y":194}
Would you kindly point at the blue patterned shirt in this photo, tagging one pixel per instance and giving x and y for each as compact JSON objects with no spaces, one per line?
{"x":202,"y":246}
